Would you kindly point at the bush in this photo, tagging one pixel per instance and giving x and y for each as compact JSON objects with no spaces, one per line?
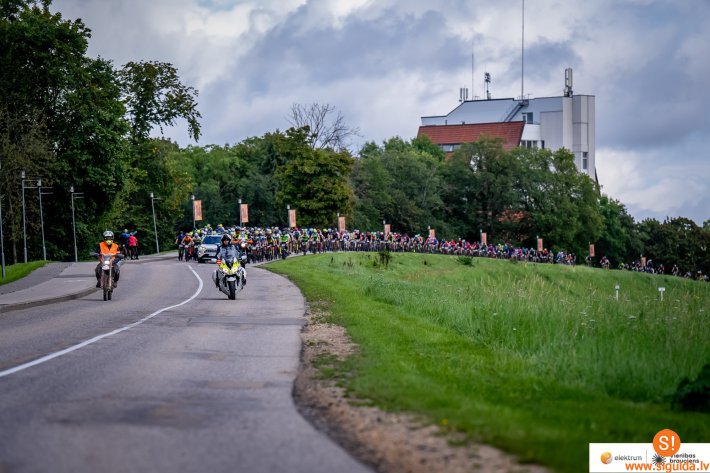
{"x":694,"y":395}
{"x":465,"y":260}
{"x":383,"y":259}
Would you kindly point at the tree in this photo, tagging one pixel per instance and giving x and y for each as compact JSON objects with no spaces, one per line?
{"x":154,"y":96}
{"x":399,"y":183}
{"x":315,"y":182}
{"x":326,"y":126}
{"x":618,"y":240}
{"x":479,"y":189}
{"x":560,"y":204}
{"x":68,"y":107}
{"x":676,"y":241}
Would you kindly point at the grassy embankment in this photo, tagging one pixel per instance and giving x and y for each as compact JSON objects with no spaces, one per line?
{"x":539,"y":360}
{"x":20,"y":270}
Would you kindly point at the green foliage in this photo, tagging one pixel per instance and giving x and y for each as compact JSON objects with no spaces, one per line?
{"x":465,"y":260}
{"x":60,"y":119}
{"x":694,"y":395}
{"x":399,"y":183}
{"x":676,"y":241}
{"x":315,"y":181}
{"x":479,"y":189}
{"x":618,"y":241}
{"x":535,"y":359}
{"x":154,"y":96}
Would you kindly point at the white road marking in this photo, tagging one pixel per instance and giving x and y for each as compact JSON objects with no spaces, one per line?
{"x":72,"y":348}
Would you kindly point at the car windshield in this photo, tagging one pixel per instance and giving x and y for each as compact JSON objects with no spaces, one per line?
{"x":211,"y":240}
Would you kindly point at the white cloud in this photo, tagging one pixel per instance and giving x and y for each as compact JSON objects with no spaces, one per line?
{"x":386,"y":63}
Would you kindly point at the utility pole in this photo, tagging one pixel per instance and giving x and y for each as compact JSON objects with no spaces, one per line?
{"x":74,"y":195}
{"x":41,"y":217}
{"x":194,"y":221}
{"x":24,"y":218}
{"x":2,"y":241}
{"x":155,"y":227}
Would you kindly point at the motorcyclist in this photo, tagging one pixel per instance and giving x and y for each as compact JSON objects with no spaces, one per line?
{"x":108,"y":247}
{"x":228,"y":250}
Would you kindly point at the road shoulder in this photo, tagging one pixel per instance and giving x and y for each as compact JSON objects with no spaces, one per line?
{"x":386,"y":441}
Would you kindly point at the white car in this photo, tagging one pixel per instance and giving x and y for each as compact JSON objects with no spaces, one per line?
{"x":208,"y":248}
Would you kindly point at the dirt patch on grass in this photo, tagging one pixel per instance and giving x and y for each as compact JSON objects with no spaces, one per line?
{"x":391,"y":443}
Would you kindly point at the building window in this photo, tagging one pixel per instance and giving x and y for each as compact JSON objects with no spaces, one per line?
{"x":528,"y":117}
{"x":529,"y":144}
{"x":447,"y":148}
{"x":542,"y":144}
{"x":585,"y":161}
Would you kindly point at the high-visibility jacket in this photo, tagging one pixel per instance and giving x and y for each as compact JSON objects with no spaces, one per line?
{"x":105,"y":249}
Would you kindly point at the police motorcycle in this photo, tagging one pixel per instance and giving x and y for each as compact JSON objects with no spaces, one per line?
{"x":230,"y":275}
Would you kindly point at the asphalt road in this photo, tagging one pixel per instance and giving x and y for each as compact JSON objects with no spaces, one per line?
{"x":202,"y":386}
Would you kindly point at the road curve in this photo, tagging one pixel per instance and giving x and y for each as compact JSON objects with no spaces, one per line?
{"x":204,"y":386}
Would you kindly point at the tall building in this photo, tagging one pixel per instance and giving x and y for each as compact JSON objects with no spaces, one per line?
{"x":547,"y":122}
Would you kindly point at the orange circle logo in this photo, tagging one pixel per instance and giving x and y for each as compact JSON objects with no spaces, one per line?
{"x":606,"y":458}
{"x":666,"y":443}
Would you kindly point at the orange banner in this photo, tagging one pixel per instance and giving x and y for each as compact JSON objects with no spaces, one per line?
{"x":591,"y":250}
{"x":197,"y":209}
{"x":341,"y":224}
{"x":292,"y":218}
{"x":643,"y":262}
{"x":388,"y":229}
{"x":484,"y":238}
{"x":539,"y":244}
{"x":244,"y":213}
{"x":432,"y":233}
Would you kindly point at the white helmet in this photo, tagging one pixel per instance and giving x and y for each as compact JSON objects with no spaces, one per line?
{"x":108,"y":235}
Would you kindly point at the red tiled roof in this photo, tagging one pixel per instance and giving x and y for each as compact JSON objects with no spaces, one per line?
{"x":510,"y":132}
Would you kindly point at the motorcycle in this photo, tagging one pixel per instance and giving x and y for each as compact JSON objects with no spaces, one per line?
{"x":229,"y":275}
{"x":244,"y":250}
{"x":106,"y":281}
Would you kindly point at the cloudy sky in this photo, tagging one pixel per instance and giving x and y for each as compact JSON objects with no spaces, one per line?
{"x":386,"y":63}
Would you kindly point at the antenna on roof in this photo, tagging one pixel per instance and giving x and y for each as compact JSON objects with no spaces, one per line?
{"x":568,"y":82}
{"x":522,"y":55}
{"x":463,"y":94}
{"x":487,"y":80}
{"x":473,"y":87}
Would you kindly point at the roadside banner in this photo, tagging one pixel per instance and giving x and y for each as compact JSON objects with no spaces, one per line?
{"x":292,"y":218}
{"x":341,"y":224}
{"x":244,"y":209}
{"x":388,"y":229}
{"x":539,"y":244}
{"x":643,"y":262}
{"x":591,"y":250}
{"x":197,"y":209}
{"x":432,"y":233}
{"x":484,"y":238}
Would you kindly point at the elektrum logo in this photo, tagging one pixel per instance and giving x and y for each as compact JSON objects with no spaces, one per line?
{"x":606,"y":458}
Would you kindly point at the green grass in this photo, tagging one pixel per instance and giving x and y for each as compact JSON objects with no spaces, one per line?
{"x":20,"y":270}
{"x":539,"y":360}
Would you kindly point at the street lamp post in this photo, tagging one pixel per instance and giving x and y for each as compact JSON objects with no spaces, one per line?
{"x":74,"y":195}
{"x":240,"y":214}
{"x":24,"y":218}
{"x":2,"y":241}
{"x":37,"y":185}
{"x":194,"y":222}
{"x":155,"y":226}
{"x":288,"y":215}
{"x":2,"y":238}
{"x":41,"y":219}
